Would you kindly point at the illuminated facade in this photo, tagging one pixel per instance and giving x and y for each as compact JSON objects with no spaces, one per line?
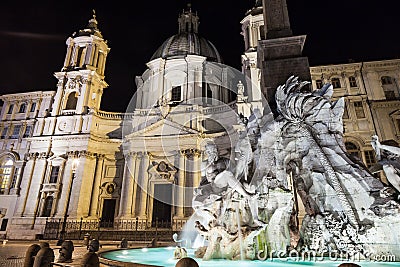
{"x":59,"y":145}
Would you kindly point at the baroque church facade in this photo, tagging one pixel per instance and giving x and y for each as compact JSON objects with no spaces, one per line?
{"x":61,"y":155}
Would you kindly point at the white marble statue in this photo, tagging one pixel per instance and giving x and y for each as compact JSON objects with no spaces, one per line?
{"x":299,"y":154}
{"x":389,"y":158}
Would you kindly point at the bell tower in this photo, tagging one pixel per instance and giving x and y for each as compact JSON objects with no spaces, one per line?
{"x":81,"y":79}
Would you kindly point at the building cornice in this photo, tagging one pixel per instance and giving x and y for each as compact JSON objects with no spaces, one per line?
{"x":27,"y":95}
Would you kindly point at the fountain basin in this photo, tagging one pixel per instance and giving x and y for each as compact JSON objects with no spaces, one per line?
{"x":163,"y":257}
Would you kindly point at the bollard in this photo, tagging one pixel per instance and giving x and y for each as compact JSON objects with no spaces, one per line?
{"x":44,"y":244}
{"x":94,"y":245}
{"x":67,"y":247}
{"x":153,"y":243}
{"x":86,"y":239}
{"x":124,"y":243}
{"x":30,"y":254}
{"x":90,"y":259}
{"x":44,"y":258}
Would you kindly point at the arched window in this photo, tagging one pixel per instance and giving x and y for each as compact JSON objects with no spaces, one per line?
{"x":209,"y":95}
{"x":47,"y":207}
{"x":176,"y":93}
{"x":353,"y":149}
{"x":6,"y":169}
{"x":71,"y":101}
{"x":22,"y":108}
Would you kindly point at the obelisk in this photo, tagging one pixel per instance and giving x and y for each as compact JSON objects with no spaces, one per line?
{"x":280,"y":54}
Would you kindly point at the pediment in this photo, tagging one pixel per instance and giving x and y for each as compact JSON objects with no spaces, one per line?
{"x":163,"y":127}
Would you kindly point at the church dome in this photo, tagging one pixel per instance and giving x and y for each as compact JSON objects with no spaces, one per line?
{"x":187,"y":43}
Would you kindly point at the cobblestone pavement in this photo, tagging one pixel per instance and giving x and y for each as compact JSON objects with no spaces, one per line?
{"x":12,"y":254}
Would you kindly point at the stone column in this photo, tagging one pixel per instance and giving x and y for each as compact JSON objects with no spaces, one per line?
{"x":35,"y":186}
{"x":196,"y":168}
{"x":125,"y":209}
{"x":68,"y":56}
{"x":26,"y":180}
{"x":181,"y":186}
{"x":95,"y":198}
{"x":144,"y":185}
{"x":134,"y":210}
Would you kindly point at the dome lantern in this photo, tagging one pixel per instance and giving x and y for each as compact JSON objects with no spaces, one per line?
{"x":187,"y":41}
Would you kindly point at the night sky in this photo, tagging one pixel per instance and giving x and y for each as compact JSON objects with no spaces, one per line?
{"x":33,"y":34}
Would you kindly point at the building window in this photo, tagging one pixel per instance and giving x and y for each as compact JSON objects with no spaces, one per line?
{"x":48,"y":206}
{"x":353,"y":149}
{"x":209,"y":96}
{"x":17,"y":172}
{"x":262,"y":32}
{"x":10,"y":109}
{"x":176,"y":93}
{"x":369,"y":158}
{"x":28,"y":131}
{"x":72,"y":100}
{"x":54,"y":174}
{"x":386,"y":80}
{"x":390,"y":95}
{"x":16,"y":131}
{"x":319,"y":84}
{"x":336,"y":83}
{"x":33,"y":107}
{"x":22,"y":108}
{"x":352,"y":81}
{"x":6,"y":168}
{"x":358,"y":106}
{"x":247,"y":37}
{"x":4,"y":223}
{"x":4,"y":132}
{"x":79,"y":57}
{"x":398,"y":124}
{"x":345,"y":113}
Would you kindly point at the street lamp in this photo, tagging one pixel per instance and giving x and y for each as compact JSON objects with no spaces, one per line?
{"x":75,"y":163}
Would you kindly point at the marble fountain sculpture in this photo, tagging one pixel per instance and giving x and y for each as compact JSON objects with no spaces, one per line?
{"x":246,"y":208}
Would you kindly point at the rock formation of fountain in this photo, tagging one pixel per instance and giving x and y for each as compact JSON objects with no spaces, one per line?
{"x":249,"y":209}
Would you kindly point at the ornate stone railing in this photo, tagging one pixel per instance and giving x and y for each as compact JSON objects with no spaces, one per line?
{"x":114,"y":115}
{"x":219,"y":109}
